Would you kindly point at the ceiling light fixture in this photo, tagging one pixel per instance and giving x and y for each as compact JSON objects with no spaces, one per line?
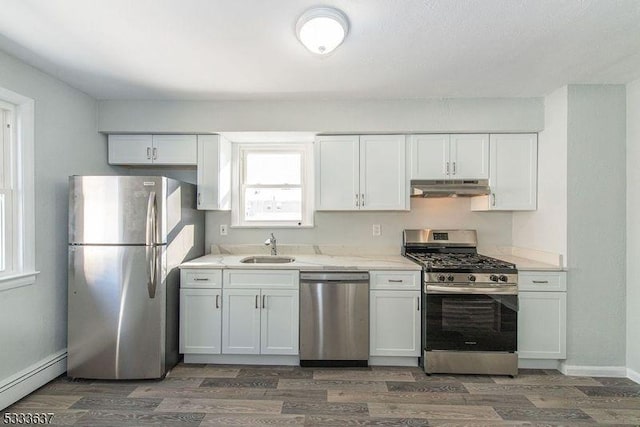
{"x":322,"y":29}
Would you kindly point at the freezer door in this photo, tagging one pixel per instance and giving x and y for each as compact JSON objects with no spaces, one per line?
{"x":116,"y":326}
{"x":120,"y":210}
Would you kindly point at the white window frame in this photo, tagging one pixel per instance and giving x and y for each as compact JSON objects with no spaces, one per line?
{"x":20,"y":267}
{"x":239,"y":151}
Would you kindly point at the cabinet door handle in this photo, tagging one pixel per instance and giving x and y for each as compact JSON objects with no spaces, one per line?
{"x":199,"y":199}
{"x":454,"y":168}
{"x":447,"y":169}
{"x":155,"y":153}
{"x":149,"y":153}
{"x":357,"y":200}
{"x":201,"y":279}
{"x":362,"y":198}
{"x":257,"y":301}
{"x":263,"y":301}
{"x":540,"y":281}
{"x":217,"y":301}
{"x":493,"y":199}
{"x":395,"y":280}
{"x":418,"y":305}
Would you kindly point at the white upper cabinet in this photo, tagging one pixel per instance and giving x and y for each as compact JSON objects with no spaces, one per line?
{"x":383,"y":183}
{"x":513,"y":174}
{"x":469,"y":156}
{"x":214,"y":172}
{"x":456,"y":156}
{"x":337,"y":160}
{"x":153,"y":150}
{"x":365,"y":172}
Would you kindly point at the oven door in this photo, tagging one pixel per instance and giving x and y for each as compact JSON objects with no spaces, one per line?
{"x":471,"y":321}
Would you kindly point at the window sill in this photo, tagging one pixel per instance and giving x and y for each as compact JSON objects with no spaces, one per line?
{"x":270,"y":226}
{"x":18,"y":280}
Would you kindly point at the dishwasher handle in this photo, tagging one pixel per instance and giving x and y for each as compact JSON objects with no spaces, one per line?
{"x":331,"y":276}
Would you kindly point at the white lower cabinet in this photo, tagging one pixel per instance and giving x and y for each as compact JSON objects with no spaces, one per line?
{"x":542,"y":315}
{"x":258,"y":319}
{"x":395,"y":323}
{"x":200,"y":317}
{"x":241,"y":320}
{"x":200,"y":311}
{"x":395,"y":316}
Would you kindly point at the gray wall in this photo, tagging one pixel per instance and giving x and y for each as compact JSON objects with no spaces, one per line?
{"x":439,"y":115}
{"x":633,"y":227}
{"x":596,"y":175}
{"x":354,"y":229}
{"x":33,"y":318}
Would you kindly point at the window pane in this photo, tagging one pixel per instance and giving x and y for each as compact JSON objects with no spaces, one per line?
{"x":273,"y":168}
{"x":3,"y":237}
{"x":273,"y":204}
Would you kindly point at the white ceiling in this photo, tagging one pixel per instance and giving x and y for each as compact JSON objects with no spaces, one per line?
{"x":247,"y":49}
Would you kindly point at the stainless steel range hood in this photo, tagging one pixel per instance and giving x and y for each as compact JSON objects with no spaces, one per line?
{"x":450,"y":188}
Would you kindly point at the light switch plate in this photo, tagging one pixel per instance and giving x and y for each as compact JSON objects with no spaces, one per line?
{"x":223,"y":229}
{"x":376,"y":229}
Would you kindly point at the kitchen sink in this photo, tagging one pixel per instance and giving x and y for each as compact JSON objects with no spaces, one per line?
{"x":265,"y":259}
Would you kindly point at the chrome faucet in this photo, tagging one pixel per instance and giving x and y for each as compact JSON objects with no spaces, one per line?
{"x":272,"y":241}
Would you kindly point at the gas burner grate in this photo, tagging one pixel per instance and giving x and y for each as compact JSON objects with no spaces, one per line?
{"x":454,"y":261}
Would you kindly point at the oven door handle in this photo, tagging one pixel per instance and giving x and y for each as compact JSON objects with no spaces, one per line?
{"x":493,"y":290}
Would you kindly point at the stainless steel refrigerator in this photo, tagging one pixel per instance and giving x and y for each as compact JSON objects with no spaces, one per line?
{"x":127,"y":235}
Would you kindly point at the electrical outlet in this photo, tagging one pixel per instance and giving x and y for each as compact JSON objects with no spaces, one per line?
{"x":376,"y":229}
{"x":223,"y":229}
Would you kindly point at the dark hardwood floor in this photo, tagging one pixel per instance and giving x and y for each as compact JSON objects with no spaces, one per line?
{"x":216,"y":395}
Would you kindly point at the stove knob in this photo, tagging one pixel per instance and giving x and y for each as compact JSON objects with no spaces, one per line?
{"x":493,"y":278}
{"x":441,"y":278}
{"x":503,"y":278}
{"x":450,"y":277}
{"x":471,"y":278}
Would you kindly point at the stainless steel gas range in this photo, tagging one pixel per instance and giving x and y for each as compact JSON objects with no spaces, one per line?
{"x":470,"y":304}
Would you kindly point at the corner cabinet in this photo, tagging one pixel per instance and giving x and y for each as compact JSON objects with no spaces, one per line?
{"x":444,"y":156}
{"x":178,"y":150}
{"x":513,"y":174}
{"x":395,"y":316}
{"x":260,"y":312}
{"x":214,"y":173}
{"x":542,"y":316}
{"x":366,"y":172}
{"x":200,"y":311}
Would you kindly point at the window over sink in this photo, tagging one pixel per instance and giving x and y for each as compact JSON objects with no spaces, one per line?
{"x":273,"y":185}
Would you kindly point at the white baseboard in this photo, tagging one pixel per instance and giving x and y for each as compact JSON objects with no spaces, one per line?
{"x":30,"y":379}
{"x":593,"y":371}
{"x":633,"y":375}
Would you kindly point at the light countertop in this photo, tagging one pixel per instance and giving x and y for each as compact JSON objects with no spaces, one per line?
{"x":307,"y":262}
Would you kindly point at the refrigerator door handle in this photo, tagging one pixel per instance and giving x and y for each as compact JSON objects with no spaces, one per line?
{"x":150,"y":240}
{"x":151,"y":219}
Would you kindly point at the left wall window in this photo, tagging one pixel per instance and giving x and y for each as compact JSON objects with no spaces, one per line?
{"x":7,"y":232}
{"x":17,"y":219}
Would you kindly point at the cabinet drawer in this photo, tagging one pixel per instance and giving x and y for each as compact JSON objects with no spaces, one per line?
{"x":200,"y":278}
{"x":409,"y":280}
{"x":275,"y":279}
{"x":542,"y":281}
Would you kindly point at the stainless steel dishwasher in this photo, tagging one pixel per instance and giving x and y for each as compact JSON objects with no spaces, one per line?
{"x":334,"y":318}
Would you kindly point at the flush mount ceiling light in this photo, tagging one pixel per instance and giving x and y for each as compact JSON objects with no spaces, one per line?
{"x":322,"y":29}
